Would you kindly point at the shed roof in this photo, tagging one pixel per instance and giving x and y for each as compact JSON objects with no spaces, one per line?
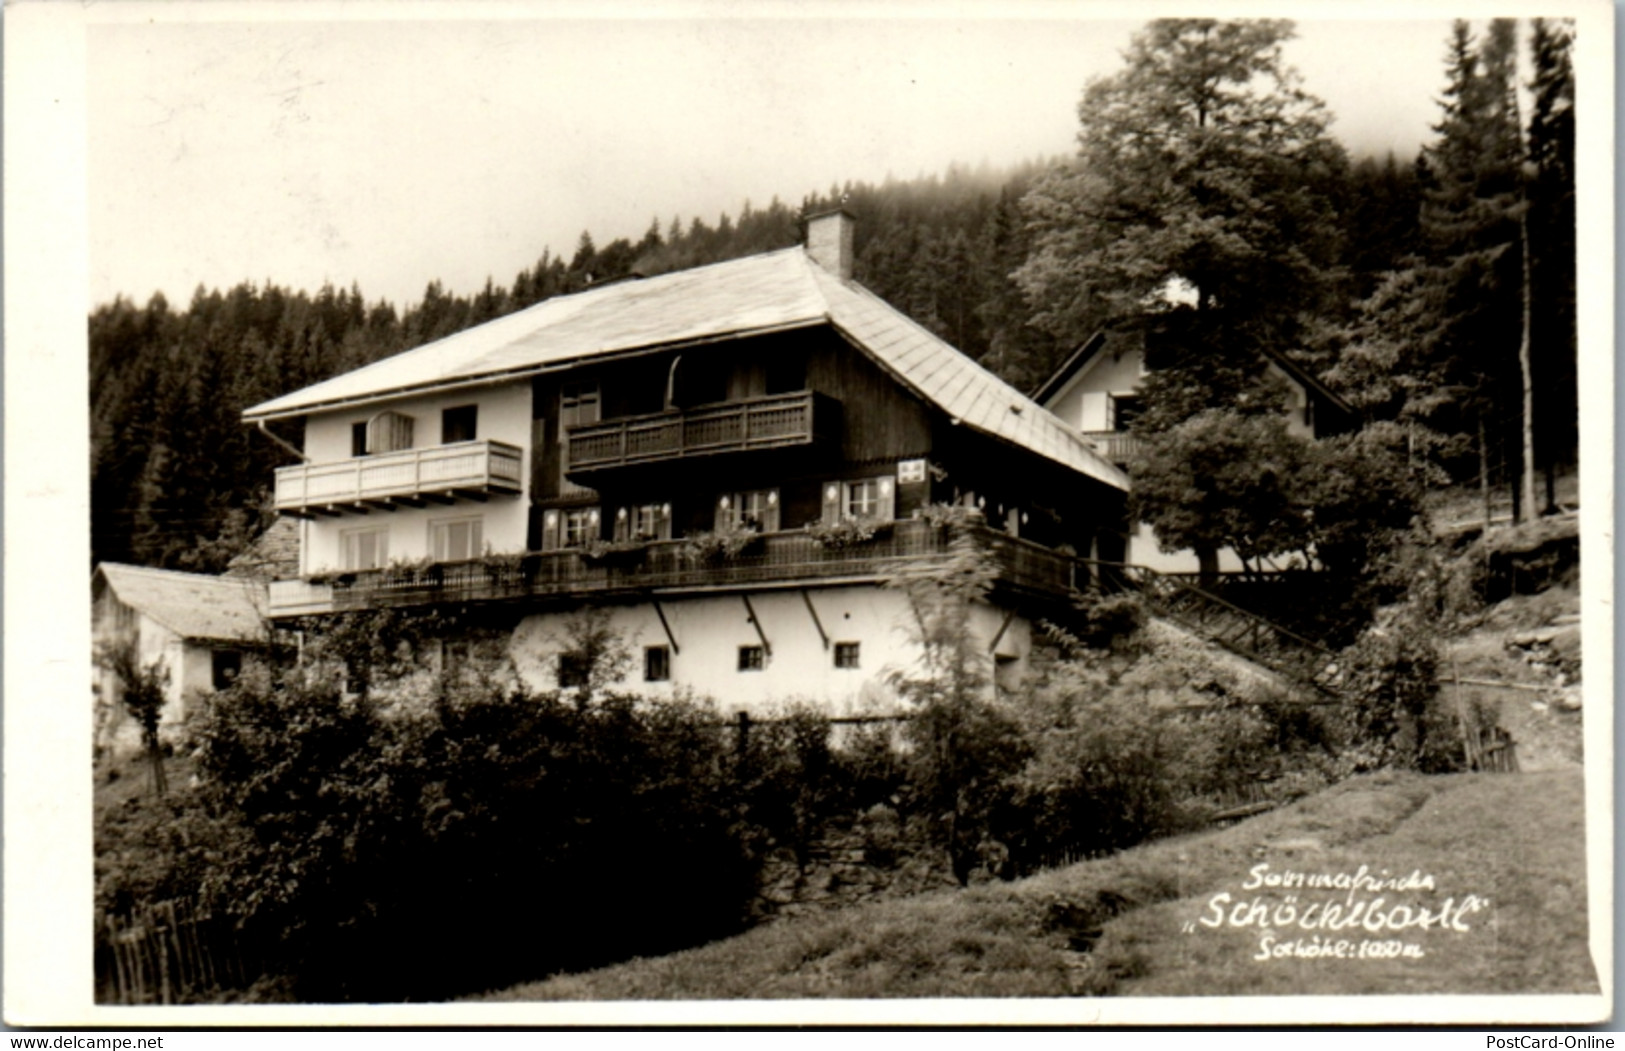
{"x":774,"y":291}
{"x":192,"y":605}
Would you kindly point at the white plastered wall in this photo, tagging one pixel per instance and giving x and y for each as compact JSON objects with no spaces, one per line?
{"x":1083,"y":401}
{"x":709,"y":630}
{"x":504,"y":416}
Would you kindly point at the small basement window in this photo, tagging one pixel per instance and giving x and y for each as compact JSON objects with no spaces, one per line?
{"x":846,"y":654}
{"x":751,"y":658}
{"x":574,"y":669}
{"x":656,"y":663}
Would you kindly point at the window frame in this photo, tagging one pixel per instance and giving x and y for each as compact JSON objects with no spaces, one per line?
{"x":590,"y":520}
{"x":476,"y":540}
{"x":657,"y":668}
{"x":768,"y":504}
{"x":233,"y":663}
{"x":847,"y":655}
{"x":454,"y":417}
{"x":349,"y":551}
{"x":752,"y":657}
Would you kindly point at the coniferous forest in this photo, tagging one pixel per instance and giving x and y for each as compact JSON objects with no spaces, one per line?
{"x":1434,"y":293}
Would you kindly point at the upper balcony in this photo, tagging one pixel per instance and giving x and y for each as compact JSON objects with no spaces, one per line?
{"x":1118,"y":447}
{"x":412,"y":477}
{"x":775,"y":421}
{"x":787,"y":559}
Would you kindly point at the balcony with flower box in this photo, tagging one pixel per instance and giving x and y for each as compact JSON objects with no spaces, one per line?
{"x":472,"y":470}
{"x":792,"y":558}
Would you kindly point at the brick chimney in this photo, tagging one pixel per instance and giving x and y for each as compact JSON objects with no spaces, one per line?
{"x":829,"y":241}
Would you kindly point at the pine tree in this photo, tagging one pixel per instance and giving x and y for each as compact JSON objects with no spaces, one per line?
{"x":1551,"y":228}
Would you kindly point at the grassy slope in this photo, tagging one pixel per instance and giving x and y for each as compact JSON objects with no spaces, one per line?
{"x":1514,"y":839}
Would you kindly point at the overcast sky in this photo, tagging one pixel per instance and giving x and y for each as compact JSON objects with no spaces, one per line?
{"x":393,"y":153}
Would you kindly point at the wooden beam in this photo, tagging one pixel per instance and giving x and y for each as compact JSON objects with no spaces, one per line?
{"x":767,"y":647}
{"x":382,"y":505}
{"x":822,"y":634}
{"x":671,"y":638}
{"x":294,"y":512}
{"x":999,"y":635}
{"x":407,"y":501}
{"x":326,"y":509}
{"x":439,"y":498}
{"x":471,"y":494}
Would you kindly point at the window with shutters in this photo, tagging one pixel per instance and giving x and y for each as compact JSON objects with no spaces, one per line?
{"x":580,"y":526}
{"x":643,"y":522}
{"x":869,"y":498}
{"x":365,"y":548}
{"x":456,"y":539}
{"x":756,"y":509}
{"x":578,"y":403}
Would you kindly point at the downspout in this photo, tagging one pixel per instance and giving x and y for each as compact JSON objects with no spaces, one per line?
{"x":671,"y":383}
{"x":304,"y":525}
{"x":281,"y":441}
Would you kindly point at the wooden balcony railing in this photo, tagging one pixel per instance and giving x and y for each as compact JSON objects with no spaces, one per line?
{"x":441,"y":471}
{"x":774,"y":559}
{"x":771,"y":422}
{"x":1118,"y":447}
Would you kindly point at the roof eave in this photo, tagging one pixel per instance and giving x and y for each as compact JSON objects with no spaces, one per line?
{"x":525,"y":371}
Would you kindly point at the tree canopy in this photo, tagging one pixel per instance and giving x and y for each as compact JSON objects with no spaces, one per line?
{"x":1203,"y":184}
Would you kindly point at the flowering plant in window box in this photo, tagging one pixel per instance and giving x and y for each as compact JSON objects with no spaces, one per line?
{"x":719,"y":545}
{"x":614,"y":552}
{"x":848,"y":532}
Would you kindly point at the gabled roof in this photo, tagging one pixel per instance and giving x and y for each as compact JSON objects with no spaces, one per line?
{"x":1069,"y":368}
{"x":192,"y":605}
{"x":1091,"y":348}
{"x":771,"y":292}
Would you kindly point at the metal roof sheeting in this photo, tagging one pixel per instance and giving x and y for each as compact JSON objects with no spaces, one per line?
{"x":775,"y":290}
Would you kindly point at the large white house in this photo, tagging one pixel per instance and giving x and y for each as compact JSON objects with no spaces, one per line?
{"x":580,"y":452}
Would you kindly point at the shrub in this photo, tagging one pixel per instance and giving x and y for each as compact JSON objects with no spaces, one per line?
{"x":844,"y":533}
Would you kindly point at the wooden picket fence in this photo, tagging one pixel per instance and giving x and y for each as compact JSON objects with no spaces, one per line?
{"x":168,"y":953}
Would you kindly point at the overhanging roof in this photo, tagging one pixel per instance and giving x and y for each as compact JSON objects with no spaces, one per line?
{"x":770,"y":292}
{"x":192,"y":605}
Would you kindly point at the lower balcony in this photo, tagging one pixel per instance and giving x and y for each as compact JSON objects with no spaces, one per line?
{"x":411,"y":477}
{"x":787,"y":559}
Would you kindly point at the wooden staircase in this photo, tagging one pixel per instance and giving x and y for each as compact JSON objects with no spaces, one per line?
{"x":1244,"y":633}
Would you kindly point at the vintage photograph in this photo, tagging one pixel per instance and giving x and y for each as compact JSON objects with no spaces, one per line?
{"x":1069,"y":513}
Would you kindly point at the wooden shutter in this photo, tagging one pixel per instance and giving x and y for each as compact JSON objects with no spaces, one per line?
{"x":834,"y":500}
{"x":388,"y":432}
{"x":886,"y":494}
{"x":552,"y":529}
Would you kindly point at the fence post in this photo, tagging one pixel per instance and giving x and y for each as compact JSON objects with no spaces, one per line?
{"x":744,"y":733}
